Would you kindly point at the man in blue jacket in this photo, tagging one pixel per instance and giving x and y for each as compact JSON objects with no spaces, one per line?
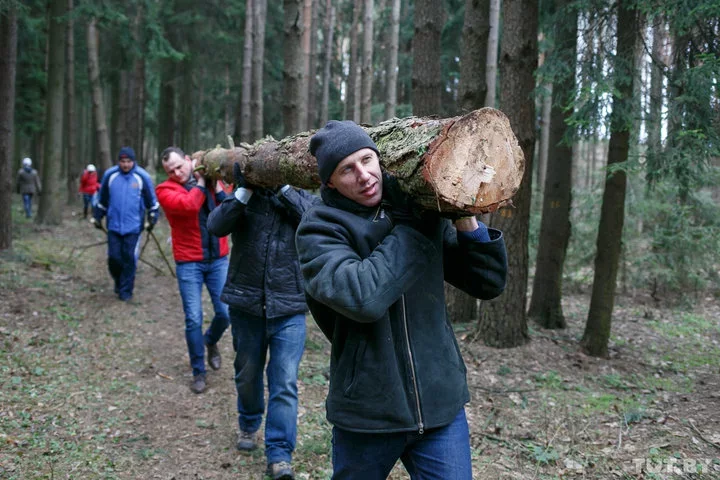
{"x":374,"y":266}
{"x":127,"y":193}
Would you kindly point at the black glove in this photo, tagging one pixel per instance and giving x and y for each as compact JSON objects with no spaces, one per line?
{"x":152,"y":219}
{"x":240,"y":180}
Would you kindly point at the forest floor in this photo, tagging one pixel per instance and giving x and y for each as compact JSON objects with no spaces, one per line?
{"x":91,"y":387}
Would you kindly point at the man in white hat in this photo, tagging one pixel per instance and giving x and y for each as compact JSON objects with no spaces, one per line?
{"x":28,"y":184}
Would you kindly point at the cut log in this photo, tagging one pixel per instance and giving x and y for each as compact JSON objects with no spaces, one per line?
{"x":468,"y":164}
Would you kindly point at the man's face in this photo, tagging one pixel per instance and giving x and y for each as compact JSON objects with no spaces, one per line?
{"x":126,"y":164}
{"x":179,"y":169}
{"x":358,"y":177}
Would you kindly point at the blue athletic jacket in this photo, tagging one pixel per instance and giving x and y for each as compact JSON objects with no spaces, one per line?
{"x":124,"y":197}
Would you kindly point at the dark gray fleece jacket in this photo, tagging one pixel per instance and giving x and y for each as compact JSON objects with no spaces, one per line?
{"x":376,"y":290}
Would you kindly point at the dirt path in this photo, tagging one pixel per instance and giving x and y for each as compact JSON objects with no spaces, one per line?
{"x":92,"y":387}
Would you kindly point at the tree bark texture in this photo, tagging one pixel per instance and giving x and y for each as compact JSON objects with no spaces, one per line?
{"x":473,"y":60}
{"x":8,"y":68}
{"x":469,"y":164}
{"x":74,"y":162}
{"x":503,"y":320}
{"x":612,"y":215}
{"x":258,"y":62}
{"x":392,"y":64}
{"x":426,"y":74}
{"x":293,"y":69}
{"x":545,"y":303}
{"x":367,"y":64}
{"x":49,"y":212}
{"x":101,"y":130}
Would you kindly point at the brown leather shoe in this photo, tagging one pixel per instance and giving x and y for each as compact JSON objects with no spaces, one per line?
{"x":214,"y":358}
{"x":198,"y":384}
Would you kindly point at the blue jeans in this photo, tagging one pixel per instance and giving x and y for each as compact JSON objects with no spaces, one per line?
{"x":284,"y":337}
{"x":27,"y":204}
{"x":190,"y":277}
{"x":122,"y":262}
{"x":438,"y":454}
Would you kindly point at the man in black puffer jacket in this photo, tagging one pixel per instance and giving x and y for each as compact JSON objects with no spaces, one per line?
{"x":265,"y":293}
{"x":374,"y":268}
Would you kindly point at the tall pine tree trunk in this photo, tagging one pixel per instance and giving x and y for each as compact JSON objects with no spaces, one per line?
{"x":166,"y":105}
{"x":503,"y":320}
{"x":74,"y":163}
{"x":352,"y":100}
{"x":392,"y":64}
{"x":313,"y":111}
{"x":492,"y":53}
{"x":473,"y":60}
{"x":103,"y":139}
{"x":293,"y":92}
{"x":612,"y":216}
{"x":258,"y":62}
{"x":462,"y":307}
{"x":426,"y":77}
{"x":654,"y":120}
{"x":545,"y":303}
{"x":327,"y":61}
{"x":136,"y":95}
{"x":49,"y":211}
{"x":8,"y":67}
{"x":246,"y":87}
{"x":367,"y":64}
{"x":303,"y":105}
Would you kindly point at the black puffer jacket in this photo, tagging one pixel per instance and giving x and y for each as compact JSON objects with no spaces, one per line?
{"x":263,"y":278}
{"x":376,"y":290}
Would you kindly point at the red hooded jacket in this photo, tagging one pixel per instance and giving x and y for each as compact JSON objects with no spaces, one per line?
{"x":187,"y":209}
{"x":89,"y":183}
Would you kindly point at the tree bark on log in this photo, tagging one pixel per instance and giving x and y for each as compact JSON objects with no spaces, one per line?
{"x":468,"y":164}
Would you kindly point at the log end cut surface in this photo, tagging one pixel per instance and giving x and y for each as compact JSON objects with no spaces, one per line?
{"x":476,"y":165}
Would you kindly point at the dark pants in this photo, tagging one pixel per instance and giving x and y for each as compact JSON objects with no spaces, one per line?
{"x":122,"y":262}
{"x":87,"y":201}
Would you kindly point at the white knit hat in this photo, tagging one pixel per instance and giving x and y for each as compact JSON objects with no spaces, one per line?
{"x":90,"y":167}
{"x":27,"y":162}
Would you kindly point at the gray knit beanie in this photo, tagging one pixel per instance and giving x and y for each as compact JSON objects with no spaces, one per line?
{"x":338,"y":139}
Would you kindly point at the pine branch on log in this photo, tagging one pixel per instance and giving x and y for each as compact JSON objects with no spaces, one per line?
{"x":470,"y":164}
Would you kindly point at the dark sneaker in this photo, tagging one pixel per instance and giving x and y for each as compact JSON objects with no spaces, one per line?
{"x":280,"y":471}
{"x":198,"y":384}
{"x":214,"y":358}
{"x":247,"y":441}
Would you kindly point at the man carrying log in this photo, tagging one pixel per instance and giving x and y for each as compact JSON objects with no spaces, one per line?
{"x":200,"y":257}
{"x":374,"y":264}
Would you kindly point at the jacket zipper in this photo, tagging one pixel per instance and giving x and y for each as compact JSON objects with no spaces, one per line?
{"x":421,"y":426}
{"x":379,"y":213}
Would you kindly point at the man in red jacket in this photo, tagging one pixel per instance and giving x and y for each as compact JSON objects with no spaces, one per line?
{"x":200,"y":257}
